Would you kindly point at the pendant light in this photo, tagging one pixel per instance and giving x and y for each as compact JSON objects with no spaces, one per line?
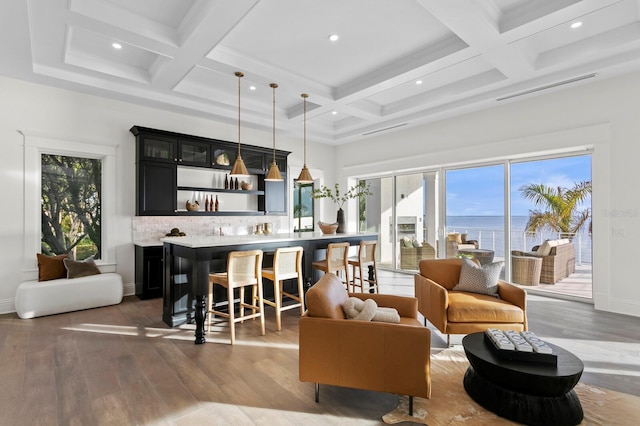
{"x":239,"y":169}
{"x":305,"y":175}
{"x":274,"y":171}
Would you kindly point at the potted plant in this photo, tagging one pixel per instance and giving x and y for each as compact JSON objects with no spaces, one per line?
{"x":359,"y":191}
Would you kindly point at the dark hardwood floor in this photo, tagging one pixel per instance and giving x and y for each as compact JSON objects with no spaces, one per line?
{"x":123,"y":365}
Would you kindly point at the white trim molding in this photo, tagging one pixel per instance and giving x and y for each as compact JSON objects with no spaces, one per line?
{"x":34,"y":145}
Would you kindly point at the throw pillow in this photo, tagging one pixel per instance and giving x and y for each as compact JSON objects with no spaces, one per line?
{"x":361,"y":310}
{"x":51,"y":267}
{"x":415,"y":243}
{"x":406,"y":242}
{"x":455,"y":237}
{"x":368,"y":310}
{"x":545,"y":248}
{"x":479,"y":279}
{"x":80,"y":269}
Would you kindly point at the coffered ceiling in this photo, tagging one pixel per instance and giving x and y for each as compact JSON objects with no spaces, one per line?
{"x":397,"y":63}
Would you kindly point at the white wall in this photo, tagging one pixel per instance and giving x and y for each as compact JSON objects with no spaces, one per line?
{"x":67,"y":115}
{"x":602,"y":115}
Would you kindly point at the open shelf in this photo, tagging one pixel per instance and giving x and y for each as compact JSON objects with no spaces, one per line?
{"x":218,"y":190}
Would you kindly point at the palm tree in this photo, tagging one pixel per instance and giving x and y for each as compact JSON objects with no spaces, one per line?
{"x":560,"y":206}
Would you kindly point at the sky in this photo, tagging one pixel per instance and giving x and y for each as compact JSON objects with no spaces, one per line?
{"x":479,"y":191}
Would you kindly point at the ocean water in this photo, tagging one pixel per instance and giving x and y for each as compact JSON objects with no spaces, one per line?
{"x":489,"y":231}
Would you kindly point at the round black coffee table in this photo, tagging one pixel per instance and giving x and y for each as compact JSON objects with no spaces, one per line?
{"x":527,"y":392}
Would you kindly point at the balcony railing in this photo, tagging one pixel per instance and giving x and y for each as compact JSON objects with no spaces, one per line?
{"x":521,"y":240}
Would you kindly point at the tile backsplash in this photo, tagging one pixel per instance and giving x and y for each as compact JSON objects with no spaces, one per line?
{"x":150,"y":228}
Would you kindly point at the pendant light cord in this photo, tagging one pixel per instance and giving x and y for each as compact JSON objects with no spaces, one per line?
{"x":305,"y":96}
{"x":239,"y":75}
{"x":274,"y":86}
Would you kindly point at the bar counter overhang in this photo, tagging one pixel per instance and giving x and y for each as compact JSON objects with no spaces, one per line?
{"x":200,"y":251}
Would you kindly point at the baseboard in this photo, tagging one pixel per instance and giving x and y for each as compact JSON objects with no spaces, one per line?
{"x":129,"y":289}
{"x":7,"y":306}
{"x":624,"y":306}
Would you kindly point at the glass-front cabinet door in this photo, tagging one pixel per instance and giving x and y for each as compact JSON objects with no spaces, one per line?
{"x":193,"y":153}
{"x":158,"y":148}
{"x":222,"y":155}
{"x":254,"y":160}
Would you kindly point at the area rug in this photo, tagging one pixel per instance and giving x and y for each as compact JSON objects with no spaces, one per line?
{"x":450,"y":404}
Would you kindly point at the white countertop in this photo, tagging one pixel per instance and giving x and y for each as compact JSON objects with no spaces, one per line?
{"x":225,"y":240}
{"x":148,"y":243}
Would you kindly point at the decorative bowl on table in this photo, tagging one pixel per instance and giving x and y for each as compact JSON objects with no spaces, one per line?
{"x":246,"y":186}
{"x":328,"y":228}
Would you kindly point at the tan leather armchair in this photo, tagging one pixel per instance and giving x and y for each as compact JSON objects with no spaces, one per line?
{"x":458,"y":312}
{"x":378,"y":356}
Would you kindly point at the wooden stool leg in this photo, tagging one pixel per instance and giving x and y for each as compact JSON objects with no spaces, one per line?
{"x":254,"y":299}
{"x":277,"y":298}
{"x":301,"y":293}
{"x":346,"y":277}
{"x":261,"y":307}
{"x":241,"y":304}
{"x":232,"y":323}
{"x":353,"y":273}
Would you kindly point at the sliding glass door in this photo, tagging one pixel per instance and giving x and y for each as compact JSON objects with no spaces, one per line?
{"x":419,"y":216}
{"x":404,"y":207}
{"x":551,"y":200}
{"x":475,"y":213}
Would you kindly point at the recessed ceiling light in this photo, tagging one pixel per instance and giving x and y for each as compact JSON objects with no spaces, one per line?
{"x":334,"y":112}
{"x":252,"y":87}
{"x":334,"y":37}
{"x":418,"y":82}
{"x":576,"y":24}
{"x":116,"y":45}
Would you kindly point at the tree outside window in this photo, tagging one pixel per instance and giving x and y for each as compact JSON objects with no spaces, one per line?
{"x":71,"y":206}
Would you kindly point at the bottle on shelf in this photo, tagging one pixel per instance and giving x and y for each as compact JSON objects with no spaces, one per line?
{"x":207,"y":206}
{"x":235,"y":184}
{"x":216,"y":204}
{"x":226,"y":181}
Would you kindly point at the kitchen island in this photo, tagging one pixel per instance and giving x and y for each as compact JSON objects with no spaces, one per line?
{"x":189,"y":260}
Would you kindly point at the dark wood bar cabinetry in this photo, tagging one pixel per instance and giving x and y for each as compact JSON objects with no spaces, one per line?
{"x":149,"y":270}
{"x":162,"y":156}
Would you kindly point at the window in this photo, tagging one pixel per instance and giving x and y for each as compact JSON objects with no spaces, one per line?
{"x":71,"y":206}
{"x":38,"y":145}
{"x":303,"y":213}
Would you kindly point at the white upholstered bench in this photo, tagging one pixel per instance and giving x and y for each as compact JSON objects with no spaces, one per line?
{"x":39,"y":298}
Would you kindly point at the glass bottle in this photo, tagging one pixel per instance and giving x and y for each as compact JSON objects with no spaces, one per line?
{"x":226,"y":182}
{"x":216,"y":204}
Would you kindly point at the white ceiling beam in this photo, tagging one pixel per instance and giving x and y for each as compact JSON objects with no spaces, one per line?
{"x":217,"y":19}
{"x":472,"y":25}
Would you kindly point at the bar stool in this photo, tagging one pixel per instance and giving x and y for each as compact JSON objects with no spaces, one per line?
{"x":287,"y":264}
{"x":244,"y":268}
{"x":337,"y":260}
{"x":366,"y":257}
